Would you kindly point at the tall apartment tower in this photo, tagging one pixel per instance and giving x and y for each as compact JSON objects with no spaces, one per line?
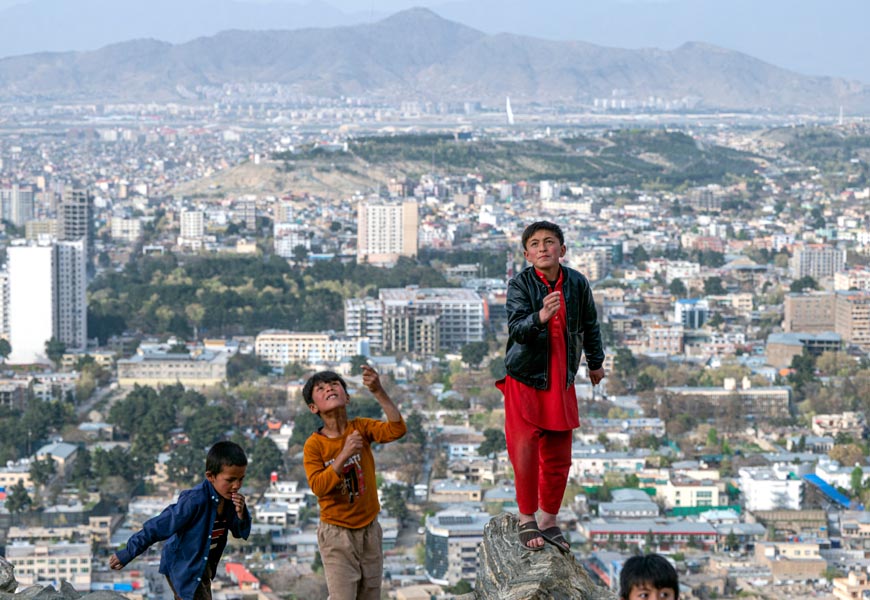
{"x":47,"y":285}
{"x":16,"y":204}
{"x":192,"y":224}
{"x":386,"y":231}
{"x":76,"y":217}
{"x":4,"y":304}
{"x":816,"y":261}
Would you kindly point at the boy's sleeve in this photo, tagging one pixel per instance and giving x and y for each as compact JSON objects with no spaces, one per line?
{"x":592,"y":346}
{"x":322,"y":478}
{"x":173,"y":518}
{"x":381,"y":431}
{"x":524,"y":322}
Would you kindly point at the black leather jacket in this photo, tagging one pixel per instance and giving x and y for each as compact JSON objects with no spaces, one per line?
{"x":527,"y":354}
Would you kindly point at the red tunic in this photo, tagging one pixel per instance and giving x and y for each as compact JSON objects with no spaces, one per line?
{"x":555,"y":408}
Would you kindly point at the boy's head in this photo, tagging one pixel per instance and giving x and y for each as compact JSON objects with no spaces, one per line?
{"x":648,"y":577}
{"x":225,"y":466}
{"x":324,"y":391}
{"x":545,"y":226}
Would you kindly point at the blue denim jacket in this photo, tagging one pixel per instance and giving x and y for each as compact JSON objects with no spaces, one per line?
{"x":187,"y":524}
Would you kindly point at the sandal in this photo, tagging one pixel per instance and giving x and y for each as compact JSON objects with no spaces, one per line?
{"x":528,"y":532}
{"x":555,"y":537}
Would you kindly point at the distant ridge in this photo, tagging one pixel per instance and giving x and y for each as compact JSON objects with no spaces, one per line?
{"x":416,"y":54}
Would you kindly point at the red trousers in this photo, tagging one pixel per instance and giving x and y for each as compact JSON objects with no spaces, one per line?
{"x":541,"y":461}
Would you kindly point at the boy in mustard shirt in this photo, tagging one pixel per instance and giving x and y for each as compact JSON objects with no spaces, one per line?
{"x":341,"y":472}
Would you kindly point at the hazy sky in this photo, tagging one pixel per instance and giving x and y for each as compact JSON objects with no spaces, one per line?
{"x":812,"y":37}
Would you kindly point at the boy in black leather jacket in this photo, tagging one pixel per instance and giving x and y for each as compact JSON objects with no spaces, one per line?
{"x":551,"y":320}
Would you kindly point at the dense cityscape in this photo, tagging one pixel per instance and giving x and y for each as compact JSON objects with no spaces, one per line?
{"x":173,"y":273}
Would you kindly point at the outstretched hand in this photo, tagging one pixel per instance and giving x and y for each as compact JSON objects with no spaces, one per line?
{"x":371,"y":379}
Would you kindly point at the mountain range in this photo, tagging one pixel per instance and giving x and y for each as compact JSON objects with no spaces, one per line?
{"x":415,"y":54}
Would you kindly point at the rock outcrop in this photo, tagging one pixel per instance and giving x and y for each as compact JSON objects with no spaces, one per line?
{"x":8,"y":587}
{"x":507,"y":572}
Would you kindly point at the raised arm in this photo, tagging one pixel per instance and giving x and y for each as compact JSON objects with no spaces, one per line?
{"x":372,"y":381}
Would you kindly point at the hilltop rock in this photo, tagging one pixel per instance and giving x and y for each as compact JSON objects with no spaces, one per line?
{"x":507,"y":572}
{"x":8,"y":587}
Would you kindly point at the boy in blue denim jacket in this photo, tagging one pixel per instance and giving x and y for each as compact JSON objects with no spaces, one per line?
{"x":197,"y":526}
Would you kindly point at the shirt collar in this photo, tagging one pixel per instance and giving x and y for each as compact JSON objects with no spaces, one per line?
{"x":543,"y":277}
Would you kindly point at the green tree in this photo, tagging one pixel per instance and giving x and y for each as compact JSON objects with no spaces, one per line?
{"x":461,"y":588}
{"x":678,"y":288}
{"x":645,"y":382}
{"x":497,"y":368}
{"x":300,"y":253}
{"x":81,"y":469}
{"x":54,"y":350}
{"x":241,"y":367}
{"x":473,"y":353}
{"x":394,"y":499}
{"x":41,"y":471}
{"x":414,"y":430}
{"x":304,"y":424}
{"x":624,"y":362}
{"x":493,"y":443}
{"x":195,"y":312}
{"x":639,"y":255}
{"x":208,"y":425}
{"x":803,"y":370}
{"x":804,"y":283}
{"x":713,"y":286}
{"x":265,"y":458}
{"x":731,"y":542}
{"x":857,"y":480}
{"x":185,"y":465}
{"x":18,"y":500}
{"x":712,"y":437}
{"x":5,"y":349}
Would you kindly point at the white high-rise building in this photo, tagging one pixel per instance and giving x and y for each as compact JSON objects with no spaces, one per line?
{"x":192,"y":228}
{"x":47,"y":286}
{"x":386,"y":231}
{"x":16,"y":204}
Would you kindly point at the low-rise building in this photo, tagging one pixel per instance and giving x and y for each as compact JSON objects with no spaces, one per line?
{"x":855,"y":585}
{"x":157,"y":368}
{"x":448,"y":491}
{"x":791,"y":560}
{"x":278,"y":348}
{"x":51,"y":563}
{"x":766,"y":488}
{"x":666,"y":534}
{"x":849,"y":423}
{"x":772,"y":402}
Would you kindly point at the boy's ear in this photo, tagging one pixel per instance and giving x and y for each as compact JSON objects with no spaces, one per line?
{"x":563,"y":250}
{"x":313,"y":408}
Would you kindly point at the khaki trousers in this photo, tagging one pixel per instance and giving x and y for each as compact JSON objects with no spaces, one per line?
{"x":353,"y":560}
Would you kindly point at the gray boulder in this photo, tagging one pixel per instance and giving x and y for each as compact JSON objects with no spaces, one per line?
{"x":508,"y":572}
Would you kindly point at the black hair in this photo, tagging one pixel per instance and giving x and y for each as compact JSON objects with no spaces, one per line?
{"x":652,"y":569}
{"x":320,"y":377}
{"x":224,"y":454}
{"x":545,"y":225}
